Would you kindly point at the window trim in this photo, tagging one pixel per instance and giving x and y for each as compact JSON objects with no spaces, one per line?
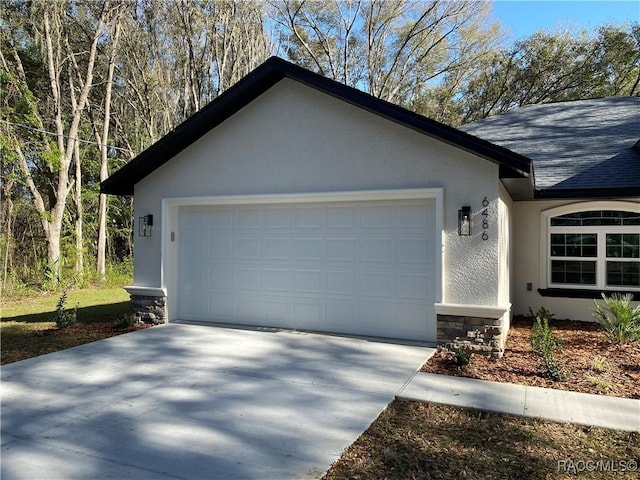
{"x":600,"y":230}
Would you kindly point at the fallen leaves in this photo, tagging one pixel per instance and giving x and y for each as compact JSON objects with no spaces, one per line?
{"x":413,"y":440}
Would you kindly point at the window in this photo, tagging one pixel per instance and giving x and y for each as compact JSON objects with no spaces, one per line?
{"x":623,"y":259}
{"x":596,"y":249}
{"x":573,"y":258}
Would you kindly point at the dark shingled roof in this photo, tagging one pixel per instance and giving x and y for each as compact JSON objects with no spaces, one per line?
{"x":583,"y":148}
{"x":259,"y":81}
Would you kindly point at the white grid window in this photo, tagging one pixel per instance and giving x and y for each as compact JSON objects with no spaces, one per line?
{"x":594,"y":249}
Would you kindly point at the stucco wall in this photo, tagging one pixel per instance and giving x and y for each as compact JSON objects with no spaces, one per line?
{"x":294,"y":139}
{"x":528,"y":259}
{"x":505,"y":258}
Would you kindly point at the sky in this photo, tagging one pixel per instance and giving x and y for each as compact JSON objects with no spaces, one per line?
{"x":524,"y":17}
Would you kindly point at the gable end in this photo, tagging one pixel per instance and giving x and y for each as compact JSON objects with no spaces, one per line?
{"x":262,"y":79}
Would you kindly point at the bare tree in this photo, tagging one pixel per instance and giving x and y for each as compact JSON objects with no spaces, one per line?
{"x":148,"y":101}
{"x":49,"y":21}
{"x":396,"y":50}
{"x":180,"y":55}
{"x":214,"y":44}
{"x":103,"y":140}
{"x":240,"y":42}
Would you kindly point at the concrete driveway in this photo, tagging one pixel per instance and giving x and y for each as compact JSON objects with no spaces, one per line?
{"x":196,"y":402}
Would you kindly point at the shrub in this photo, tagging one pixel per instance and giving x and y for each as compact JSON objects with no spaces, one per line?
{"x":551,"y":369}
{"x":125,"y":321}
{"x":543,"y":340}
{"x":64,"y":318}
{"x":618,"y":318}
{"x":15,"y":287}
{"x":545,"y":344}
{"x":542,"y":313}
{"x":462,"y":357}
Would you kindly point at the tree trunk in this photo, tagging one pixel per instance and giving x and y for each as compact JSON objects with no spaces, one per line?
{"x":104,"y":171}
{"x":53,"y":236}
{"x":102,"y":234}
{"x":9,"y":236}
{"x":52,"y":219}
{"x":79,"y":214}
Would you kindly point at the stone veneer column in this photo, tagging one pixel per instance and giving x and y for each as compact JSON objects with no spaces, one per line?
{"x":478,"y":329}
{"x":149,"y":304}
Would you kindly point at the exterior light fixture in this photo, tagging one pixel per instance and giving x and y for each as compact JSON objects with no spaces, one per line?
{"x":464,"y":221}
{"x":144,"y":226}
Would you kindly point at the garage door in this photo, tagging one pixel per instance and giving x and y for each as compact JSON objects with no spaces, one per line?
{"x":363,"y":268}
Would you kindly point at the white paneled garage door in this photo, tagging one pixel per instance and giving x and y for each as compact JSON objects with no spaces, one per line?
{"x":364,"y":268}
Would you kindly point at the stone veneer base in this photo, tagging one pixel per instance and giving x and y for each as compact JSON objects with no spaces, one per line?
{"x":148,"y":304}
{"x":476,"y":334}
{"x":149,"y":309}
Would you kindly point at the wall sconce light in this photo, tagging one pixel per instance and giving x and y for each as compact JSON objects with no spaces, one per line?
{"x":144,"y":226}
{"x":464,"y":221}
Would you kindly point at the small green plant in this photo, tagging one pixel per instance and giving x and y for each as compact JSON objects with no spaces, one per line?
{"x":125,"y":321}
{"x":618,"y":318}
{"x":600,"y":364}
{"x":601,"y":384}
{"x":545,"y":344}
{"x":551,"y":369}
{"x":542,"y":313}
{"x":64,"y":318}
{"x":543,"y":341}
{"x":462,"y":357}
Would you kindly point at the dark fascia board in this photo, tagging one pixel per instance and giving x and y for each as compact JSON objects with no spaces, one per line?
{"x":583,"y":293}
{"x":260,"y":80}
{"x":582,"y":193}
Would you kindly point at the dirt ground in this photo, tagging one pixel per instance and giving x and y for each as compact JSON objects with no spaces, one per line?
{"x":20,"y":344}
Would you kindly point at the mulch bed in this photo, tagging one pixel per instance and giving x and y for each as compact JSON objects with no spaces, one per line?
{"x":40,"y":342}
{"x":583,"y":344}
{"x":98,"y":330}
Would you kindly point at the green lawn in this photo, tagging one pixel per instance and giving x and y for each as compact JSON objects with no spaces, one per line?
{"x":94,"y":305}
{"x":28,"y":329}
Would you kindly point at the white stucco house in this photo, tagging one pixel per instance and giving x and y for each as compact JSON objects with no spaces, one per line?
{"x":293,"y":201}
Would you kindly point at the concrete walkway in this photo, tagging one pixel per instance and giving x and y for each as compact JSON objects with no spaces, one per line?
{"x":546,"y":403}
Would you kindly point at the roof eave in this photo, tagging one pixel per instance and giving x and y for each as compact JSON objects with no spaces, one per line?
{"x":580,"y":193}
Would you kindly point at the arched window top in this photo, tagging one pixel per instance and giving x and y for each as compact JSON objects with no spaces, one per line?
{"x":593,"y":245}
{"x":596,"y":218}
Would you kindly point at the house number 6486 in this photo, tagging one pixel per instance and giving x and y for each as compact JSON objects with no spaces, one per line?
{"x":485,"y":219}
